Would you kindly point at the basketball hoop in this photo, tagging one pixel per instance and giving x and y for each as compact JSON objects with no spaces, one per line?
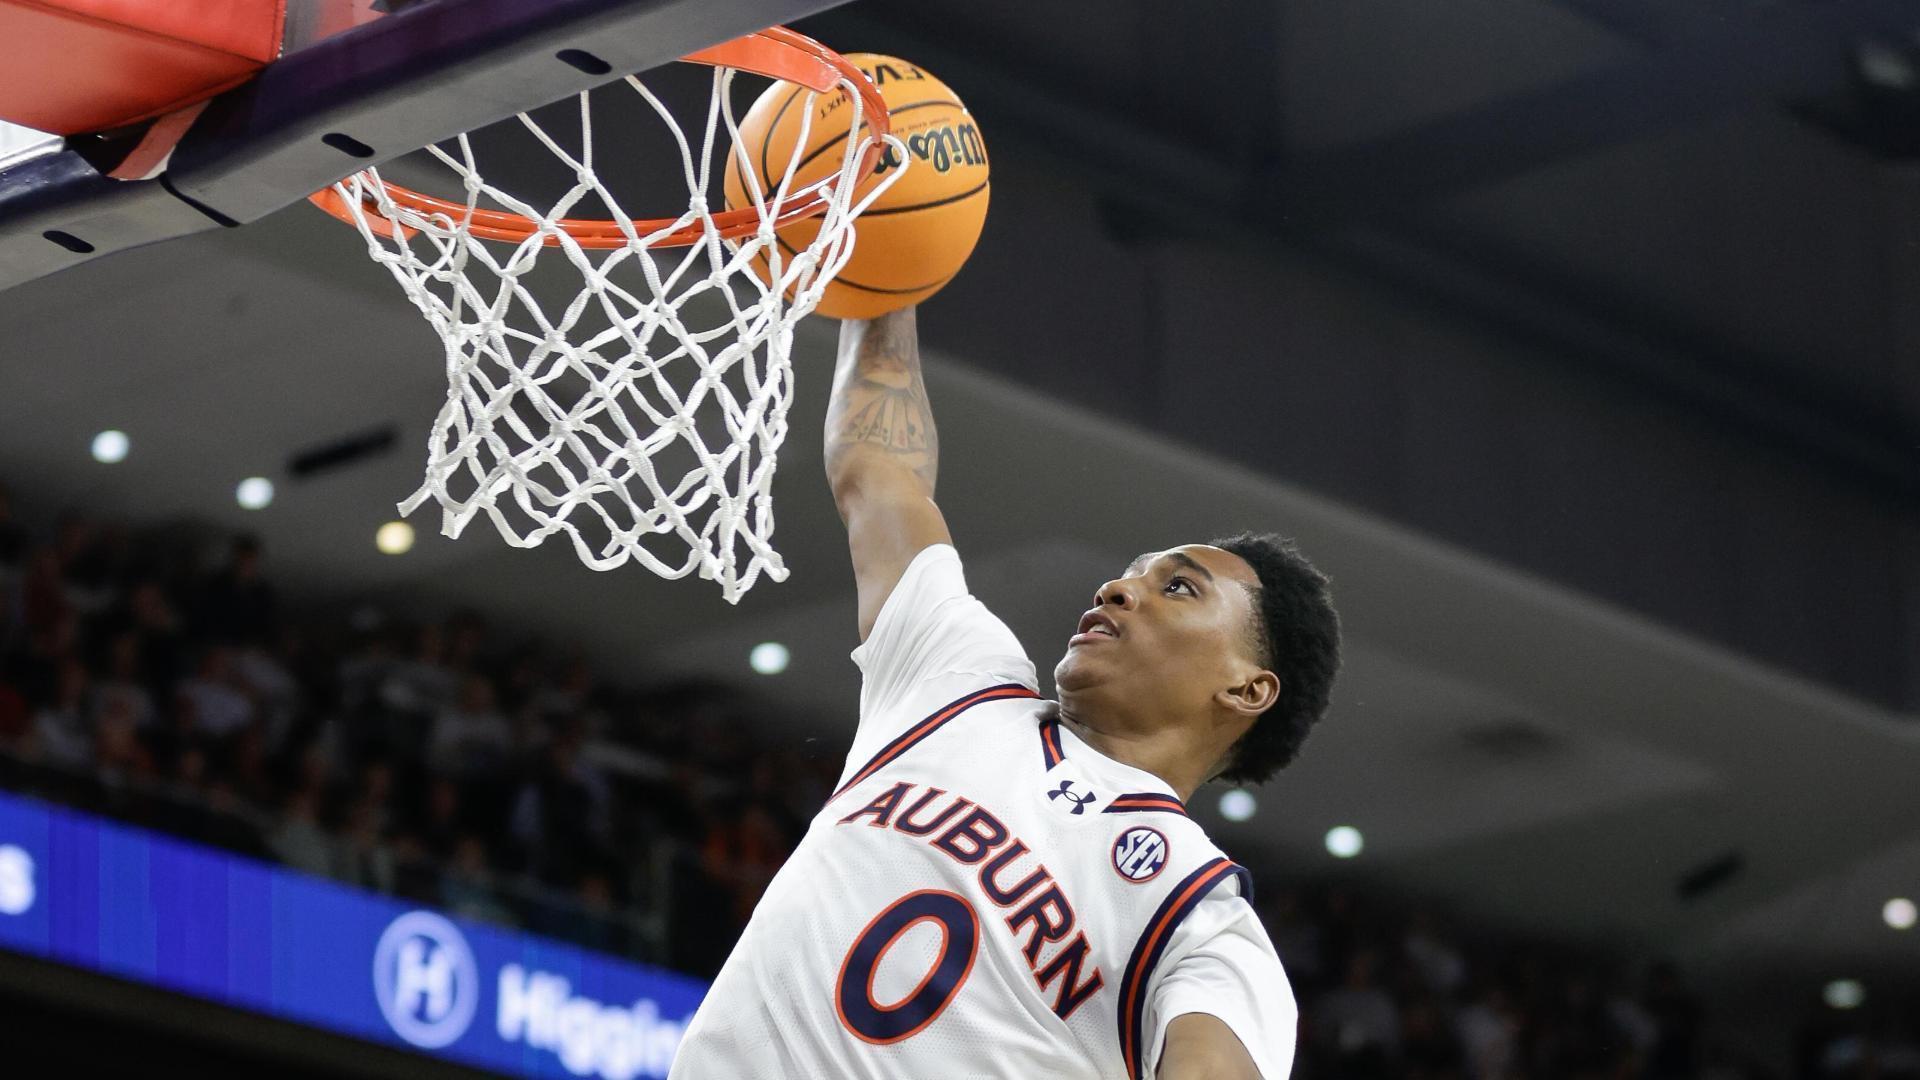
{"x":561,"y":424}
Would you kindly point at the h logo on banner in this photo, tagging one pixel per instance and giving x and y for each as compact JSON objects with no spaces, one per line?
{"x":425,"y":980}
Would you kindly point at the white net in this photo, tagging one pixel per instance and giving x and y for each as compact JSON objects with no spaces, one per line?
{"x":642,"y":415}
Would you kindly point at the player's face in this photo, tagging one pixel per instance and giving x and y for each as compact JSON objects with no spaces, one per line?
{"x":1168,"y":634}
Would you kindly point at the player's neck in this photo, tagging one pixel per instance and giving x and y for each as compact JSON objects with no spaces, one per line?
{"x":1160,"y":749}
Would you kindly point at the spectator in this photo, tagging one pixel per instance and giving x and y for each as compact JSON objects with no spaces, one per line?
{"x":743,"y":850}
{"x":16,"y":717}
{"x":470,"y":737}
{"x":442,"y":822}
{"x":360,"y":858}
{"x":217,"y":699}
{"x":1634,"y":1023}
{"x":124,"y":681}
{"x":185,"y":783}
{"x":416,"y":690}
{"x":1440,"y":965}
{"x":362,"y":673}
{"x":595,"y":923}
{"x":266,"y":672}
{"x":61,"y":732}
{"x":1428,"y":1044}
{"x":803,"y":787}
{"x":466,"y":643}
{"x":360,"y":680}
{"x":313,"y":773}
{"x":1297,"y":938}
{"x":1489,"y":1028}
{"x":376,"y":792}
{"x":570,"y":696}
{"x":248,"y":770}
{"x":149,"y":615}
{"x":236,"y":606}
{"x":118,"y":754}
{"x":86,"y":570}
{"x":1577,"y":1038}
{"x":227,"y":822}
{"x":416,"y":876}
{"x":560,"y":814}
{"x":468,"y":888}
{"x":1676,"y":1015}
{"x":43,"y":604}
{"x":299,"y":841}
{"x":528,"y":734}
{"x":1361,"y":1017}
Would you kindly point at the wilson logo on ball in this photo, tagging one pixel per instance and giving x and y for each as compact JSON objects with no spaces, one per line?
{"x":1140,"y":854}
{"x":943,"y":148}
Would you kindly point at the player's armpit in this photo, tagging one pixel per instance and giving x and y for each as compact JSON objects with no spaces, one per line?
{"x":1203,"y":1047}
{"x":882,"y":454}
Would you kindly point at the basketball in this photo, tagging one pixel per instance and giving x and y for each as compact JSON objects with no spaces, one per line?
{"x":917,"y":235}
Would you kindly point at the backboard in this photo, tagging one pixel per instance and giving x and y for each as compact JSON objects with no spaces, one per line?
{"x":354,"y":83}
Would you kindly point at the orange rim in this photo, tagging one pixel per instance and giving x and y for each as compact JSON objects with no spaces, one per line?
{"x":776,"y":52}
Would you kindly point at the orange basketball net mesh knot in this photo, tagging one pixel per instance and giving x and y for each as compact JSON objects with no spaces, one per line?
{"x":629,"y":389}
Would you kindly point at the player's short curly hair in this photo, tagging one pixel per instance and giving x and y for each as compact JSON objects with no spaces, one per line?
{"x":1296,"y":635}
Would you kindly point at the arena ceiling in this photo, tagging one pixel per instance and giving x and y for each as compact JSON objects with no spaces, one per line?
{"x":1579,"y":340}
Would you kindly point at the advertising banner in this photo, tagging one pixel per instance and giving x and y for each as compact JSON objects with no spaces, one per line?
{"x":95,"y":894}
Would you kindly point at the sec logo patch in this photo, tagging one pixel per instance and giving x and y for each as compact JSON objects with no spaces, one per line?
{"x":1139,"y":854}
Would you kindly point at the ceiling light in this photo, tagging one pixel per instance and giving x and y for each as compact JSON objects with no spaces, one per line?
{"x":1886,"y":66}
{"x":769,"y":658}
{"x":1237,"y":805}
{"x":254,"y":493}
{"x":394,"y":538}
{"x":1844,"y":994}
{"x":1899,"y":913}
{"x":1344,"y":841}
{"x":110,"y":447}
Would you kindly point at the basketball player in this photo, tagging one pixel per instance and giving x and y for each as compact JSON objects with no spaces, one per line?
{"x":1004,"y":886}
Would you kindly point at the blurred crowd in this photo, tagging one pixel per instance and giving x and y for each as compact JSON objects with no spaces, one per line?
{"x":1396,"y":993}
{"x":159,"y":677}
{"x":1877,"y":1041}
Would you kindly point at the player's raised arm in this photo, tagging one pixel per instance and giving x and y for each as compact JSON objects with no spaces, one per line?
{"x":882,"y":455}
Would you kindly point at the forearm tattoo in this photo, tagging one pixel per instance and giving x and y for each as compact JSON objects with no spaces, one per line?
{"x":880,"y":399}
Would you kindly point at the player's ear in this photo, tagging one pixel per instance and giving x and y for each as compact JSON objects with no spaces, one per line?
{"x":1252,"y":696}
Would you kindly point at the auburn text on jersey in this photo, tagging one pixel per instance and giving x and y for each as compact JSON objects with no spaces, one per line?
{"x":1038,"y":910}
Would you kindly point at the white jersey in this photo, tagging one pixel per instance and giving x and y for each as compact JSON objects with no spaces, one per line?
{"x":985,"y":895}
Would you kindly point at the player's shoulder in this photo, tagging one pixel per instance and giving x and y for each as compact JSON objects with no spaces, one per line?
{"x":1154,"y":837}
{"x":1144,"y":819}
{"x":932,"y":624}
{"x":1004,"y":702}
{"x":970,"y":721}
{"x":935,"y":575}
